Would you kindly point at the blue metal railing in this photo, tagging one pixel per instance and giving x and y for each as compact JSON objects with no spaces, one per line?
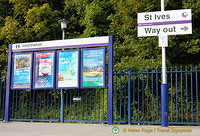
{"x":35,"y":105}
{"x":136,"y":99}
{"x":2,"y":95}
{"x":183,"y":95}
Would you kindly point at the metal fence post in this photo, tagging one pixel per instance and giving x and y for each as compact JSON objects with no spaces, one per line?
{"x":129,"y":96}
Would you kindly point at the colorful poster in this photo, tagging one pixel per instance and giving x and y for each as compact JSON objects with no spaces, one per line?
{"x":44,"y":70}
{"x":93,"y":67}
{"x":68,"y":69}
{"x":22,"y":71}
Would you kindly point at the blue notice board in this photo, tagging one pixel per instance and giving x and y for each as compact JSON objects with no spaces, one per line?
{"x":93,"y":68}
{"x":68,"y":69}
{"x":44,"y":70}
{"x":21,"y":72}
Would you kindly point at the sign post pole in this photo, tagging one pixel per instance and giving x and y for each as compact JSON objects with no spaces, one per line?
{"x":63,"y":27}
{"x":164,"y":87}
{"x":61,"y":91}
{"x":8,"y":99}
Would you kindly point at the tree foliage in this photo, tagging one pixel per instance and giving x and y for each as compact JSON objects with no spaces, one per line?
{"x":37,"y":20}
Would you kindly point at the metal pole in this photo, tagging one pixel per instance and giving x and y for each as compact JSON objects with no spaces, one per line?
{"x":164,"y":87}
{"x":62,"y":92}
{"x":164,"y":65}
{"x":63,"y":34}
{"x":8,"y":99}
{"x":110,"y":81}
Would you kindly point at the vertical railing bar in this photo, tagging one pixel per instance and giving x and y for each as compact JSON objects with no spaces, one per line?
{"x":4,"y":96}
{"x":157,"y":92}
{"x":133,"y":95}
{"x":120,"y":96}
{"x":1,"y":92}
{"x":19,"y":104}
{"x":95,"y":103}
{"x":51,"y":106}
{"x":103,"y":106}
{"x":143,"y":95}
{"x":181,"y":94}
{"x":48,"y":105}
{"x":70,"y":106}
{"x":78,"y":105}
{"x":138,"y":95}
{"x":171,"y":95}
{"x":11,"y":106}
{"x":125,"y":95}
{"x":197,"y":99}
{"x":13,"y":102}
{"x":59,"y":103}
{"x":33,"y":104}
{"x":129,"y":96}
{"x":55,"y":104}
{"x":99,"y":106}
{"x":30,"y":104}
{"x":90,"y":104}
{"x":86,"y":104}
{"x":116,"y":97}
{"x":74,"y":107}
{"x":176,"y":95}
{"x":44,"y":100}
{"x":26,"y":104}
{"x":186,"y":92}
{"x":82,"y":104}
{"x":16,"y":104}
{"x":40,"y":99}
{"x":37,"y":104}
{"x":66,"y":103}
{"x":152,"y":93}
{"x":147,"y":94}
{"x":1,"y":96}
{"x":23,"y":104}
{"x":192,"y":92}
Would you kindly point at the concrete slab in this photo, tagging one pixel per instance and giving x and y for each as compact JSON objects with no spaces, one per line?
{"x":69,"y":129}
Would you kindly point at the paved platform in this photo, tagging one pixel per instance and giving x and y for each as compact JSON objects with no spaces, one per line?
{"x":69,"y":129}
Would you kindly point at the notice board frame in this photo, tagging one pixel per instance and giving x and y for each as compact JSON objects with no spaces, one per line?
{"x":62,"y":44}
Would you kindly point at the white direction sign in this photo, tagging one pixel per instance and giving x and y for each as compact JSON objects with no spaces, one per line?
{"x":171,"y":22}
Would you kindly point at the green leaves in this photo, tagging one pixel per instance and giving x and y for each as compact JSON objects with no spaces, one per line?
{"x":37,"y":20}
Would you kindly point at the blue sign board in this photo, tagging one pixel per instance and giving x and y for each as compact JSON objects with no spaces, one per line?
{"x":44,"y":70}
{"x":68,"y":69}
{"x":22,"y":71}
{"x":93,"y":68}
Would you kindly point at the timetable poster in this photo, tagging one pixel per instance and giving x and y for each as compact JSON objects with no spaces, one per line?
{"x":68,"y":69}
{"x":44,"y":70}
{"x":22,"y":71}
{"x":93,"y":67}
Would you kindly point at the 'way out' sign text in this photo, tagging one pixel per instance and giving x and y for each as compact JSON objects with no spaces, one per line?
{"x":172,"y":22}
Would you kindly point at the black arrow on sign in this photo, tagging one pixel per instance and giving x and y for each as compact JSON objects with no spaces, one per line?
{"x":185,"y":28}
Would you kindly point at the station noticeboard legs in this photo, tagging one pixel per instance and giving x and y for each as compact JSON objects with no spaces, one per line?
{"x":7,"y":103}
{"x":110,"y":81}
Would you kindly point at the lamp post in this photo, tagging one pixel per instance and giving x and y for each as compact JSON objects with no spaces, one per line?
{"x":63,"y":23}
